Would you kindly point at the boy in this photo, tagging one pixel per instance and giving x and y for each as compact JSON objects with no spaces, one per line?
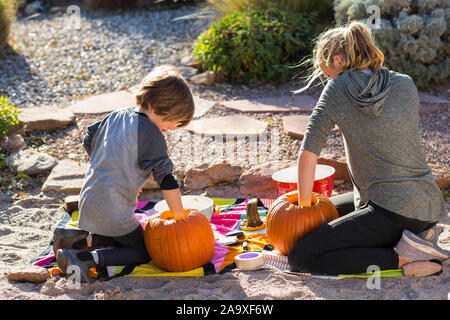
{"x":125,"y":148}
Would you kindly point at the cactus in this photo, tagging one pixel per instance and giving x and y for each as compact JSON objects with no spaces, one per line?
{"x":413,"y":35}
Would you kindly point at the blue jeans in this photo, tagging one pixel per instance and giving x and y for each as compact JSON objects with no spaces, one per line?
{"x":354,"y":241}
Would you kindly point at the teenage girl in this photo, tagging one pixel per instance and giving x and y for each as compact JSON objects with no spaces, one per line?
{"x":395,"y":196}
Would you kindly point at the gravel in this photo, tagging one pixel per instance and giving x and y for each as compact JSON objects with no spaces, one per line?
{"x":54,"y":65}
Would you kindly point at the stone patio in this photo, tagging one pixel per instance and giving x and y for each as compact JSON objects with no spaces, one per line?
{"x":288,"y":103}
{"x":234,"y":125}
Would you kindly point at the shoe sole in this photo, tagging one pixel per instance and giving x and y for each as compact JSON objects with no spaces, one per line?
{"x":424,"y":245}
{"x":64,"y":261}
{"x":426,"y":272}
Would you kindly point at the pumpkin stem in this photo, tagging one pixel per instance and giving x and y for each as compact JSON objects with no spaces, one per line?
{"x":253,"y":219}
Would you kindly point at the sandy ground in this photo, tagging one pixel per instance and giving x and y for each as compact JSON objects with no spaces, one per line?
{"x":26,"y":228}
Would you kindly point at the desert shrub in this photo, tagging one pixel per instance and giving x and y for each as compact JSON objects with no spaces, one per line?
{"x":413,"y":35}
{"x":8,"y":116}
{"x":7,"y":16}
{"x":126,"y":4}
{"x":256,"y":43}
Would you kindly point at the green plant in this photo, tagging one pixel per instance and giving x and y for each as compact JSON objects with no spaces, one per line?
{"x":413,"y":35}
{"x":322,"y":7}
{"x":8,"y":10}
{"x":256,"y":43}
{"x":8,"y":116}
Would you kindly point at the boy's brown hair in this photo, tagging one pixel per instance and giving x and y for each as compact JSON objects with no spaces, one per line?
{"x":165,"y":91}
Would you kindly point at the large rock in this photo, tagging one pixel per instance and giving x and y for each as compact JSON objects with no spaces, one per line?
{"x":441,"y":175}
{"x":205,"y":78}
{"x":338,"y":163}
{"x":205,"y":175}
{"x":30,"y":162}
{"x":259,"y":178}
{"x":13,"y":142}
{"x":44,"y":118}
{"x":30,"y":273}
{"x":67,"y":176}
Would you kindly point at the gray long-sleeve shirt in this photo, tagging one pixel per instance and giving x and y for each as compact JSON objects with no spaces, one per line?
{"x":124,"y":148}
{"x":379,"y":121}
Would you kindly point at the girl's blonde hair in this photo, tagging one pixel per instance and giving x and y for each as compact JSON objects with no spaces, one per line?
{"x":354,"y":42}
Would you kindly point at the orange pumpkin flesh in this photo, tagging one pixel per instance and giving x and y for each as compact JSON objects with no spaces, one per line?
{"x":179,"y":245}
{"x":287,"y":223}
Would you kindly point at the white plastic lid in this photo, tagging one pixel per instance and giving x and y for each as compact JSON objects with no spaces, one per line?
{"x":289,"y":175}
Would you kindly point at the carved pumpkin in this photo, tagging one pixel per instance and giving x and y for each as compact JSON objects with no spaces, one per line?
{"x":287,"y":223}
{"x":179,"y":245}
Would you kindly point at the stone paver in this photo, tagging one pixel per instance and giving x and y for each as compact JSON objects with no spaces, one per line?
{"x":30,"y":162}
{"x":428,"y":98}
{"x":234,"y":125}
{"x":202,"y":106}
{"x":67,"y":176}
{"x":290,"y":103}
{"x":104,"y":103}
{"x":45,"y":118}
{"x":295,"y":125}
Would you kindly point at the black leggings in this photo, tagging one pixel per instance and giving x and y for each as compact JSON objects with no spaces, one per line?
{"x":123,"y":250}
{"x":353,"y":242}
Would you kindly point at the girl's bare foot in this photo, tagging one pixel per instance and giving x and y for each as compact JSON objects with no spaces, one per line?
{"x":421,"y":268}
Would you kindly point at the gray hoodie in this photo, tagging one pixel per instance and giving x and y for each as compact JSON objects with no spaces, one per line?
{"x":378,"y":116}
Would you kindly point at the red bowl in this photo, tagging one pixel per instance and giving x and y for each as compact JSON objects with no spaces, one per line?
{"x":286,"y":180}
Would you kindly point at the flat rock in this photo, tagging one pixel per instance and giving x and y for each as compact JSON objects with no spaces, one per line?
{"x":428,"y":107}
{"x":289,"y":103}
{"x":29,"y":273}
{"x":428,"y":98}
{"x":104,"y":103}
{"x":206,"y":175}
{"x":259,"y":178}
{"x":30,"y":162}
{"x":45,"y":118}
{"x":234,"y":125}
{"x":67,"y":176}
{"x":295,"y":125}
{"x":202,"y":106}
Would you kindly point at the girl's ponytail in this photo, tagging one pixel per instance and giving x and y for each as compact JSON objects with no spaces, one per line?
{"x":354,"y":42}
{"x":360,"y":50}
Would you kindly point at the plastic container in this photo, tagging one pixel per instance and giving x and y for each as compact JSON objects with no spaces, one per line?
{"x":286,"y":180}
{"x":203,"y":204}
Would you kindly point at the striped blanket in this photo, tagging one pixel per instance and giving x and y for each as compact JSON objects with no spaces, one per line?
{"x":228,"y":215}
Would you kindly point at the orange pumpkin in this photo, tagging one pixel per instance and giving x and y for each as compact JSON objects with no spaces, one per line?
{"x":179,"y":245}
{"x":287,"y":223}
